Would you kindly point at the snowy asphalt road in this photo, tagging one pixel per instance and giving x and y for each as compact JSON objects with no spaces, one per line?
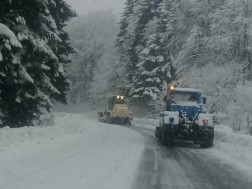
{"x":186,"y":166}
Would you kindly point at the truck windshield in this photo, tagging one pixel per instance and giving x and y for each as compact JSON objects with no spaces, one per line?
{"x":185,"y":97}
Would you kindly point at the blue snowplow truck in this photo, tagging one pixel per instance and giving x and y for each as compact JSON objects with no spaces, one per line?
{"x":185,"y":118}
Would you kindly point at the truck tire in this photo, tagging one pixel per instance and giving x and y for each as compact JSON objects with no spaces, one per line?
{"x":157,"y":132}
{"x":127,"y":122}
{"x":108,"y":118}
{"x":208,"y":142}
{"x":164,"y":138}
{"x":206,"y":145}
{"x":167,"y":138}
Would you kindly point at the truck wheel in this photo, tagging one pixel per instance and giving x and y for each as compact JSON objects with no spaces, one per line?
{"x":167,"y":138}
{"x":164,"y":138}
{"x":157,"y":132}
{"x":160,"y":136}
{"x":208,"y":143}
{"x":109,"y":118}
{"x":171,"y":142}
{"x":128,"y":122}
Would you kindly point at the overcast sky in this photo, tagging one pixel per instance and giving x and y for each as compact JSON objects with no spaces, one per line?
{"x":84,"y":6}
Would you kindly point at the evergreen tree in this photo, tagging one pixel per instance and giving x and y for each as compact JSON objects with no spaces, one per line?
{"x":126,"y":36}
{"x":155,"y":60}
{"x":147,"y":39}
{"x":130,"y":39}
{"x":33,"y":74}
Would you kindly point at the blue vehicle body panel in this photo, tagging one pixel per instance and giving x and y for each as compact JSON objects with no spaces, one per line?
{"x":188,"y":111}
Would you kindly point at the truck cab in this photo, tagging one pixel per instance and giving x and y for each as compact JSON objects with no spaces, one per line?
{"x":187,"y":101}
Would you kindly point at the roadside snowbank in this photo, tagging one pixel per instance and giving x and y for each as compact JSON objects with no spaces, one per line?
{"x":61,"y":124}
{"x":234,"y":145}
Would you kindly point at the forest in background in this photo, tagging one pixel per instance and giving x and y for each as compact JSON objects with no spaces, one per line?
{"x":194,"y":43}
{"x":203,"y":44}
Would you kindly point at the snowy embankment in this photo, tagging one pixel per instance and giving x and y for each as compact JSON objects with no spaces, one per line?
{"x":75,"y":151}
{"x":238,"y":147}
{"x":233,"y":147}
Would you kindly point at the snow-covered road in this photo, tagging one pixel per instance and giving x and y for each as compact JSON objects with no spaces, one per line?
{"x":79,"y":152}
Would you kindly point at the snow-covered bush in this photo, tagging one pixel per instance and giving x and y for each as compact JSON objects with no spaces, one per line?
{"x":239,"y":110}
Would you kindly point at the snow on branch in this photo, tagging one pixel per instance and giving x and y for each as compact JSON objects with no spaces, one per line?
{"x":7,"y":34}
{"x":45,"y":81}
{"x":42,"y":47}
{"x":24,"y":75}
{"x":45,"y":99}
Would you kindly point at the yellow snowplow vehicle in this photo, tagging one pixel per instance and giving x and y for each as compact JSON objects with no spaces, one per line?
{"x":118,"y":112}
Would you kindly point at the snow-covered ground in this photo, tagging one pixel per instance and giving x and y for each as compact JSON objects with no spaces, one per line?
{"x":76,"y":151}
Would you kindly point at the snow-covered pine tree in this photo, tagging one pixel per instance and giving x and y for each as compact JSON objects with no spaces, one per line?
{"x":126,"y":36}
{"x":124,"y":22}
{"x":143,"y":12}
{"x":33,"y":73}
{"x":155,"y":60}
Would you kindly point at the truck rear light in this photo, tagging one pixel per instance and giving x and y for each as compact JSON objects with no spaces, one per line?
{"x":205,"y":121}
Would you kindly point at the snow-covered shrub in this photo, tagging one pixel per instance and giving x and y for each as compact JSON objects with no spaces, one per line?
{"x":239,"y":110}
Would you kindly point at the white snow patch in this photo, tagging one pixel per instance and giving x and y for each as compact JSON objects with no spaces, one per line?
{"x":236,"y":146}
{"x":6,"y":32}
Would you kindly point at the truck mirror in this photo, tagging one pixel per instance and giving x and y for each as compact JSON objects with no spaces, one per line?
{"x":204,"y":100}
